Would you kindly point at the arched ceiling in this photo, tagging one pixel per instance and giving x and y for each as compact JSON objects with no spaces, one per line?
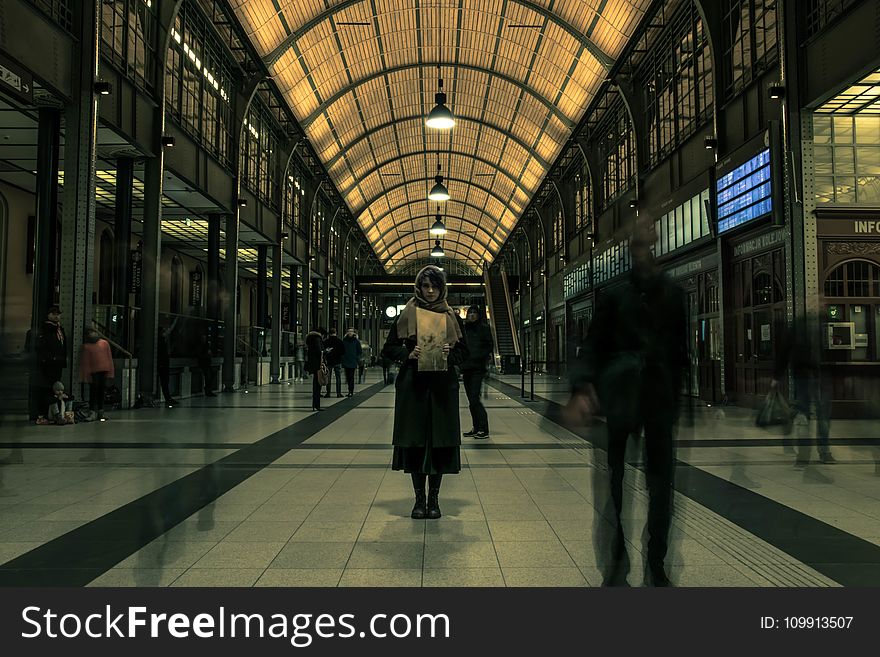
{"x":360,"y":76}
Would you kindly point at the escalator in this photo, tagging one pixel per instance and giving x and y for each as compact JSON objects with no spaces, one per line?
{"x":501,"y":321}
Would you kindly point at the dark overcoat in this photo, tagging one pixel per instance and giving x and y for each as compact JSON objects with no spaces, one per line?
{"x":425,"y":403}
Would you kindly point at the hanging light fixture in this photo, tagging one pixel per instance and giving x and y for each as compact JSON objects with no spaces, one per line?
{"x":438,"y":227}
{"x":441,"y":117}
{"x":438,"y":192}
{"x":437,"y":251}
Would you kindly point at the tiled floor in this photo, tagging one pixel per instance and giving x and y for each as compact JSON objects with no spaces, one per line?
{"x":299,"y":499}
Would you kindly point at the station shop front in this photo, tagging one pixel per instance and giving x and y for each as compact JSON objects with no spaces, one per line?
{"x":849,"y":289}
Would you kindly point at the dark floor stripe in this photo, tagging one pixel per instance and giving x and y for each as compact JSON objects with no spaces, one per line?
{"x":847,"y":559}
{"x":81,"y":555}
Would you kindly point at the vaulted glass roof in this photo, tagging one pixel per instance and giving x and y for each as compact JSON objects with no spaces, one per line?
{"x":360,"y":76}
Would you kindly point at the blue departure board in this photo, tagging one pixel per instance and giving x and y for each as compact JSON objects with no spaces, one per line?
{"x":746,"y":193}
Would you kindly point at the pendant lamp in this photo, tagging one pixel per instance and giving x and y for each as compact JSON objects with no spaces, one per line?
{"x":440,"y":118}
{"x":437,"y":251}
{"x":438,"y":192}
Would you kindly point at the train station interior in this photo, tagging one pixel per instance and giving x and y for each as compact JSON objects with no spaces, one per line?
{"x":198,"y":198}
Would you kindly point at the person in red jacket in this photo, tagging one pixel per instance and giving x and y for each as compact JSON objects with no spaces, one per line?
{"x":95,"y":367}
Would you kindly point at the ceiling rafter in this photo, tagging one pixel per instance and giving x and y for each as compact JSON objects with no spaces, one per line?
{"x":603,"y":58}
{"x":546,"y":102}
{"x":396,"y":186}
{"x":438,"y":153}
{"x":429,"y":216}
{"x":529,"y":69}
{"x":373,"y":131}
{"x":468,"y":204}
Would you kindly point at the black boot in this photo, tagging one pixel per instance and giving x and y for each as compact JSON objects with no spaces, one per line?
{"x":434,"y":496}
{"x":419,"y":509}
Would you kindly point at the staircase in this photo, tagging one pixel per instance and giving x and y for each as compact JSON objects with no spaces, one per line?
{"x":501,"y":321}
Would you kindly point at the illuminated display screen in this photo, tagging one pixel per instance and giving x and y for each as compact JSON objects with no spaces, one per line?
{"x":745,"y":194}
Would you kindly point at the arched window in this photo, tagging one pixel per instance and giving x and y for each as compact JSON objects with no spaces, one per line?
{"x":105,"y":268}
{"x":854,"y":278}
{"x":176,"y":285}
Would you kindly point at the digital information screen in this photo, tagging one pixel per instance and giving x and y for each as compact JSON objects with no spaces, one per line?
{"x":745,"y":194}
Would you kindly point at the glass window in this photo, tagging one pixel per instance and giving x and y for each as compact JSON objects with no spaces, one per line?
{"x":750,"y":41}
{"x":867,"y":129}
{"x":198,"y":80}
{"x":676,"y":74}
{"x":617,"y":148}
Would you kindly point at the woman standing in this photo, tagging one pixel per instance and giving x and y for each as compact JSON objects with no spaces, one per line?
{"x":426,"y":422}
{"x":314,"y":360}
{"x":350,"y":358}
{"x":95,"y":367}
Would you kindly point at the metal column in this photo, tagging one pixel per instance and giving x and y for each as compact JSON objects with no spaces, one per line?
{"x":78,"y":224}
{"x":277,"y":266}
{"x":122,"y":241}
{"x":148,"y":319}
{"x":46,"y":234}
{"x":262,"y":269}
{"x":230,"y":289}
{"x":214,"y":266}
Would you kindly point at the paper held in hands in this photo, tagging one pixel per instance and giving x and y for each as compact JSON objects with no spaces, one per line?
{"x":431,"y":336}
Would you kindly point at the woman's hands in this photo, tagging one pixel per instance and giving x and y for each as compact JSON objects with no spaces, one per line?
{"x":417,"y":350}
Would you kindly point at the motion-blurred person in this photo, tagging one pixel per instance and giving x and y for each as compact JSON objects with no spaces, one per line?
{"x":799,"y":350}
{"x":632,"y":366}
{"x":333,"y":352}
{"x":50,"y":350}
{"x":95,"y":368}
{"x":299,"y":359}
{"x":427,"y":436}
{"x":314,"y":360}
{"x":163,"y":364}
{"x":473,"y":370}
{"x":385,"y":364}
{"x":205,"y":359}
{"x":362,"y":359}
{"x":351,"y":357}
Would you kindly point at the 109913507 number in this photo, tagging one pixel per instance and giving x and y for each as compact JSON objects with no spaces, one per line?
{"x":817,"y":622}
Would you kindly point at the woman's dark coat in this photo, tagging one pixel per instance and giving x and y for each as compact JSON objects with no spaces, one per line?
{"x":314,"y":352}
{"x":425,"y":403}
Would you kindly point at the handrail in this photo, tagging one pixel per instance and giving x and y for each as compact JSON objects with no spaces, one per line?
{"x":487,"y":283}
{"x":509,"y":307}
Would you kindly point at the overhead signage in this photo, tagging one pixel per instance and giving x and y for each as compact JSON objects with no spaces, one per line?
{"x":16,"y":80}
{"x":848,"y":227}
{"x":758,"y":243}
{"x":746,"y":193}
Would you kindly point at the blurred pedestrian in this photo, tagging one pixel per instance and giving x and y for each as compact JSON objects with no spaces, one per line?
{"x":95,"y":368}
{"x":50,"y":351}
{"x":313,"y":363}
{"x":205,"y":359}
{"x":473,"y":370}
{"x":632,"y":366}
{"x":333,"y":351}
{"x":351,"y":357}
{"x":427,"y":430}
{"x":163,"y":364}
{"x":799,"y":351}
{"x":299,"y":359}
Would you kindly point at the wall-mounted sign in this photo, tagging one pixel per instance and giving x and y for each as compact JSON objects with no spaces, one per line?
{"x":760,"y":243}
{"x":746,"y":193}
{"x":195,"y":288}
{"x":847,"y":227}
{"x":136,"y":264}
{"x":16,"y":81}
